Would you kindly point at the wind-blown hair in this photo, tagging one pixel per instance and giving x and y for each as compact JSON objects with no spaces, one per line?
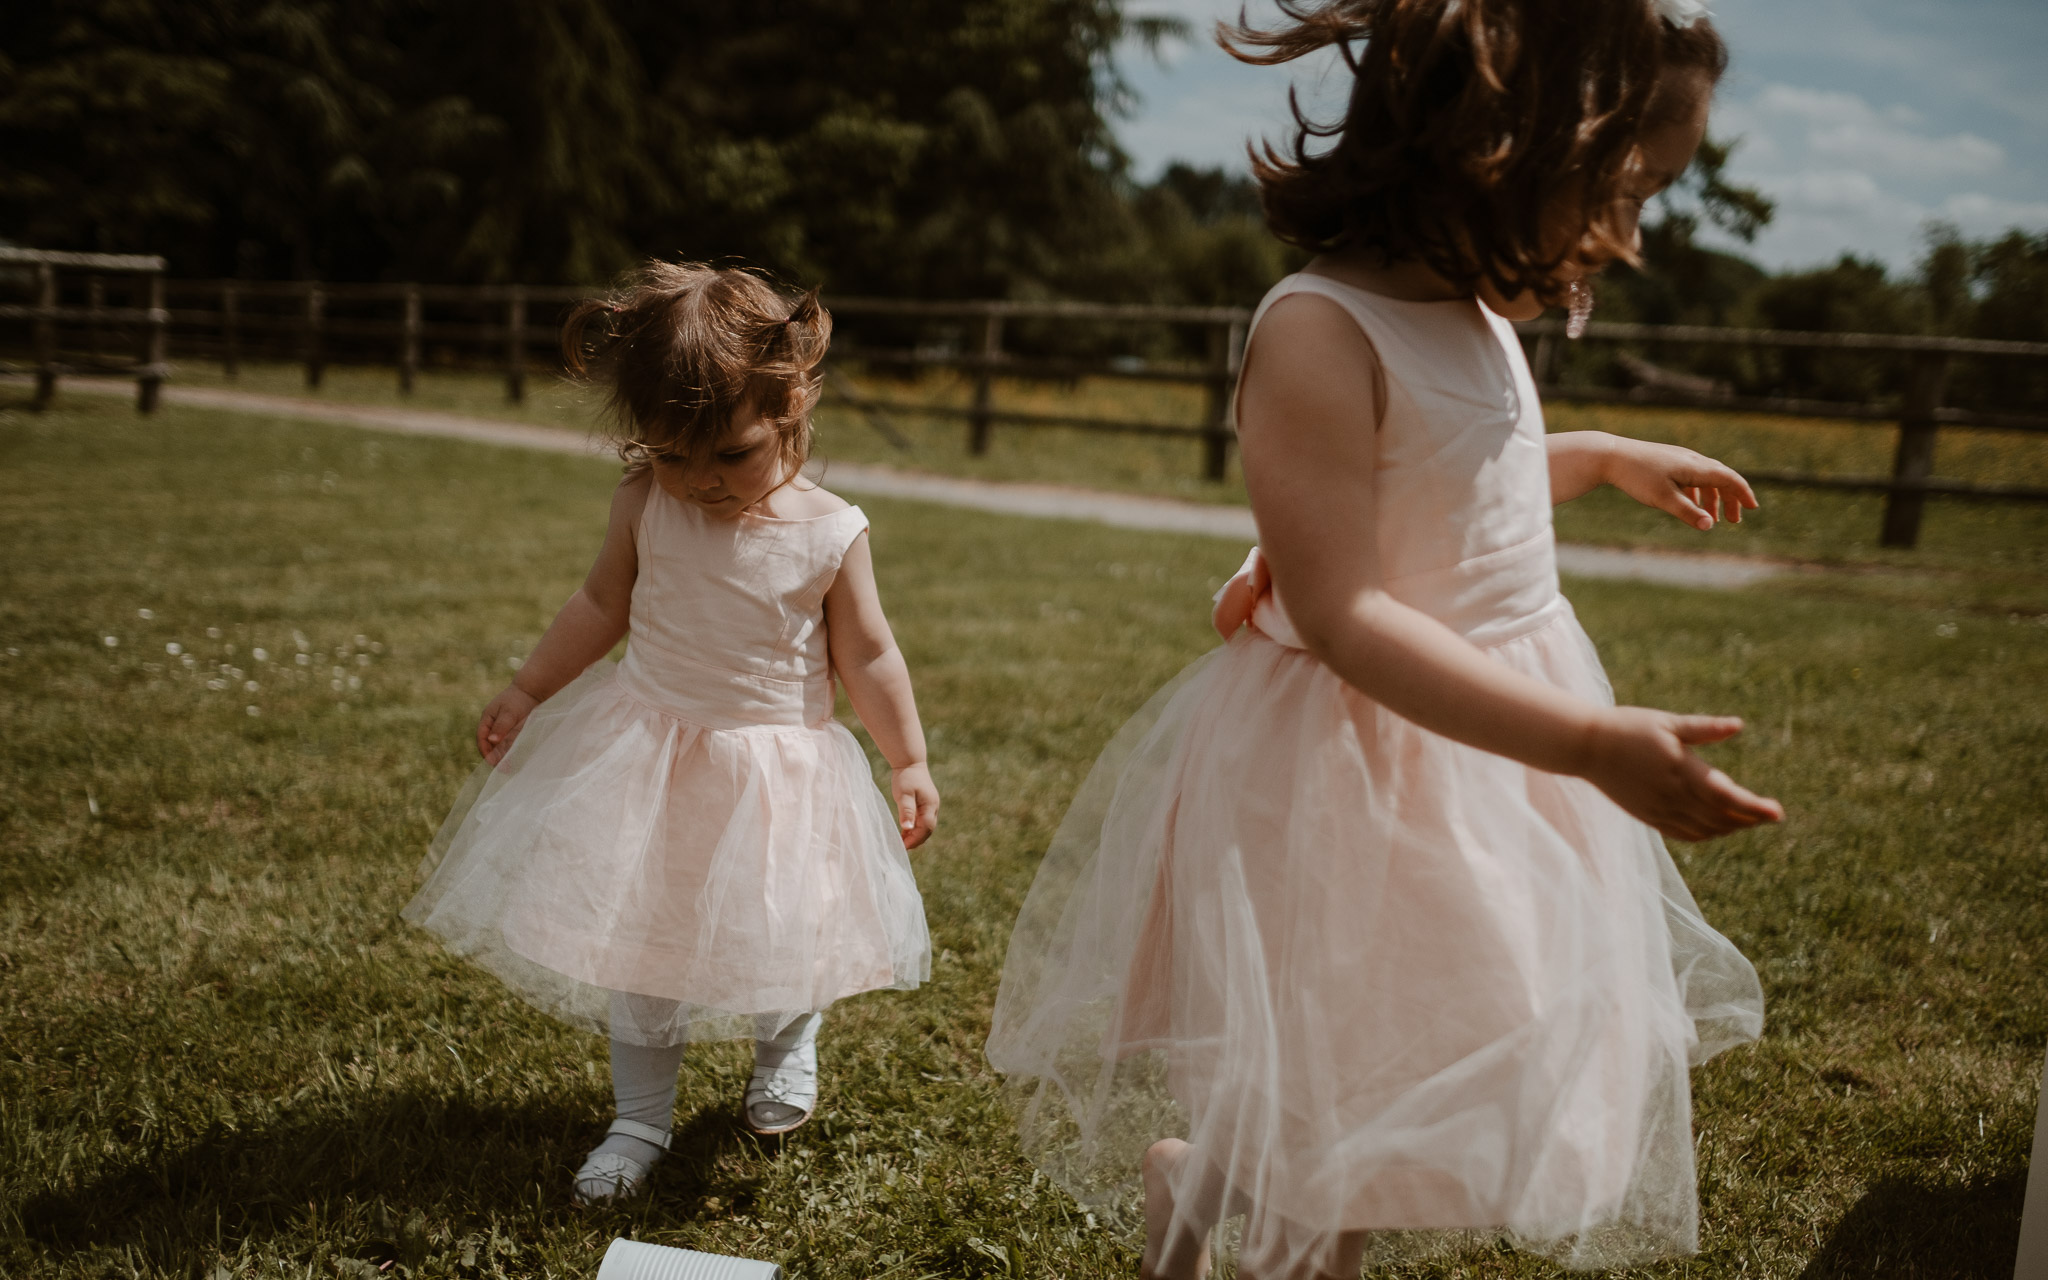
{"x":1475,"y":129}
{"x":682,"y":348}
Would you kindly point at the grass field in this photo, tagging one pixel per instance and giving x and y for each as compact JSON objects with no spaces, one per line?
{"x":222,"y":1054}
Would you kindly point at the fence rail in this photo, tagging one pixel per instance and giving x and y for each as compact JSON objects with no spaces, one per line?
{"x":391,"y":324}
{"x":151,"y":321}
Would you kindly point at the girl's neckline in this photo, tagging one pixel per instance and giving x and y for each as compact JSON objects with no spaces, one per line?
{"x":755,"y":515}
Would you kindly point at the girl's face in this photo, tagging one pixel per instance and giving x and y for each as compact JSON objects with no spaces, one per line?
{"x":740,"y":469}
{"x":1665,"y":150}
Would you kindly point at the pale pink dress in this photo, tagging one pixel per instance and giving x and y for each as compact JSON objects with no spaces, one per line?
{"x":687,"y":840}
{"x":1380,"y":980}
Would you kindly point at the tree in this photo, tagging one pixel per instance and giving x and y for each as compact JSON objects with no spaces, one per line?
{"x":938,"y":147}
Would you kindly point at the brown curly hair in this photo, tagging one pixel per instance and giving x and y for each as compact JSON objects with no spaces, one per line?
{"x":1471,"y":124}
{"x":683,"y":347}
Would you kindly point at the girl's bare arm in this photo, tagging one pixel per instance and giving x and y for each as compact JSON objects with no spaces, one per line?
{"x":1307,"y":426}
{"x":1689,"y":485}
{"x":877,"y":681}
{"x":583,"y":631}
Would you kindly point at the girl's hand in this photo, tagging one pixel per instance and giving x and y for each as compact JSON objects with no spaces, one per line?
{"x":501,"y":721}
{"x":917,"y":803}
{"x":1691,"y":486}
{"x":1643,"y":760}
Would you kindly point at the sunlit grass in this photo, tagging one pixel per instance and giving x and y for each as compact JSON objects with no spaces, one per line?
{"x":220,"y":1049}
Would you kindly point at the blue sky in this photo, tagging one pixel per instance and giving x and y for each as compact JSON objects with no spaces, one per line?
{"x":1863,"y":119}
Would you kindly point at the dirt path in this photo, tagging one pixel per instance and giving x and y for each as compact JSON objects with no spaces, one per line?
{"x":1127,"y":511}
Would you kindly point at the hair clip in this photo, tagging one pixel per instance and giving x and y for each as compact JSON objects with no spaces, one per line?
{"x":1681,"y":13}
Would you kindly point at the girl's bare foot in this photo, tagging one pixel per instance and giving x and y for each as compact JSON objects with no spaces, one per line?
{"x":1174,"y":1250}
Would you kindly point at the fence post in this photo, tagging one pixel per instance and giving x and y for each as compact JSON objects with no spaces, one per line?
{"x":149,"y":379}
{"x":96,"y":302}
{"x":230,"y":331}
{"x":1226,"y":351}
{"x":984,"y":382}
{"x":409,"y":342}
{"x":1914,"y":461}
{"x":316,"y":356}
{"x":46,"y":335}
{"x":515,"y":344}
{"x":1546,"y":359}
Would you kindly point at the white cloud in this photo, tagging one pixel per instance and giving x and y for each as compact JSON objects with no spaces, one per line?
{"x":1979,"y":214}
{"x":1846,"y":129}
{"x":1852,"y":176}
{"x":1200,"y":105}
{"x":1836,"y":190}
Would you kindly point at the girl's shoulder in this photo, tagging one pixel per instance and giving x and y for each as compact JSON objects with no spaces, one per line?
{"x":805,"y":501}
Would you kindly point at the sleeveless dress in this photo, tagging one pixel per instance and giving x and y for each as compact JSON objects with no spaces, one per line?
{"x":686,"y":840}
{"x":1380,"y":980}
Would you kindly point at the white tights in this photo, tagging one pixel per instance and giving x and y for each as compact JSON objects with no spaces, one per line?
{"x":644,"y":1079}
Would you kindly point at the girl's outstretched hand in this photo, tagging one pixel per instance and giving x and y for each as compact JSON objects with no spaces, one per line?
{"x":1689,"y":485}
{"x":917,"y":803}
{"x":1643,"y":760}
{"x":501,"y":722}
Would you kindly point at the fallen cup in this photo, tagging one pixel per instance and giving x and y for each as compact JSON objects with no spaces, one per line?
{"x":638,"y":1260}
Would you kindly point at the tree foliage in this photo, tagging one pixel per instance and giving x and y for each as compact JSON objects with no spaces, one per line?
{"x":943,"y":147}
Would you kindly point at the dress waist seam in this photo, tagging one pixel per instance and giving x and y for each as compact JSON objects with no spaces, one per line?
{"x":1483,"y":561}
{"x":700,"y":664}
{"x":625,"y":691}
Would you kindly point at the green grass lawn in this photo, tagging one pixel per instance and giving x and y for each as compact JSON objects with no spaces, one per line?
{"x":222,"y":1054}
{"x":1989,"y":555}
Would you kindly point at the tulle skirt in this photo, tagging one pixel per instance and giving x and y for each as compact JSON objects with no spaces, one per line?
{"x":1380,"y":981}
{"x":641,"y":876}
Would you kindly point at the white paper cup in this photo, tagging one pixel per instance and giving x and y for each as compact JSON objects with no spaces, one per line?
{"x":637,"y":1260}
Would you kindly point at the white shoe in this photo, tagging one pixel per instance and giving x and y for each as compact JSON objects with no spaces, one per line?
{"x":782,"y":1098}
{"x":611,"y":1176}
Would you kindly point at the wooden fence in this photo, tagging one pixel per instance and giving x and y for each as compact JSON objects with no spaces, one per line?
{"x":312,"y":323}
{"x":145,"y":315}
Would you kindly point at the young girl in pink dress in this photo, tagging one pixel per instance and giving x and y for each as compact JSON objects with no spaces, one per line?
{"x":687,"y":845}
{"x":1363,"y":929}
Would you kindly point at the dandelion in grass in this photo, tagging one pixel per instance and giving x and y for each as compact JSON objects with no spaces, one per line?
{"x":338,"y":672}
{"x":361,"y":641}
{"x":299,"y":639}
{"x":304,"y":659}
{"x":515,"y":663}
{"x":213,"y":633}
{"x":144,"y":614}
{"x":260,"y":655}
{"x":110,"y":641}
{"x":252,"y":710}
{"x":250,"y":686}
{"x":355,"y":682}
{"x":362,"y":659}
{"x":334,"y":685}
{"x":174,"y":648}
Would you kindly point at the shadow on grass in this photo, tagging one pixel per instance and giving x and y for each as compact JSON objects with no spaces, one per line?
{"x":1903,"y":1230}
{"x":462,"y":1166}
